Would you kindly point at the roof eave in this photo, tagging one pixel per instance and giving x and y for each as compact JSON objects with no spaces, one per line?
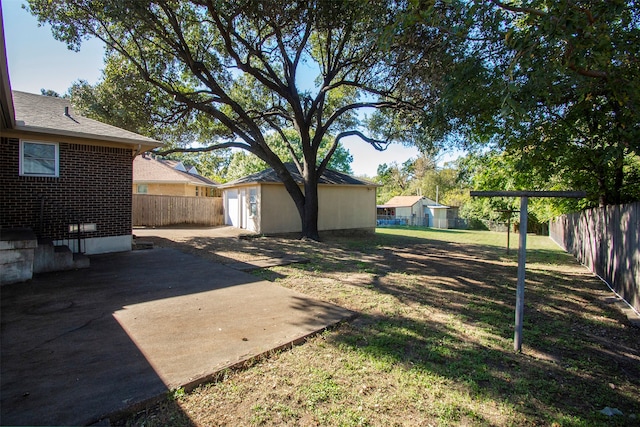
{"x":242,"y":184}
{"x":146,"y":144}
{"x":163,"y":181}
{"x":8,"y":119}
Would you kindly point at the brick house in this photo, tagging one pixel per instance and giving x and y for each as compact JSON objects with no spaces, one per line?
{"x":59,"y":169}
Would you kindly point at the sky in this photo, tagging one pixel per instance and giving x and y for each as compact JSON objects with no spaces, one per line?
{"x":37,"y":61}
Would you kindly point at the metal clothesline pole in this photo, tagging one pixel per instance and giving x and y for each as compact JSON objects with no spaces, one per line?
{"x":522,"y":249}
{"x":522,"y":260}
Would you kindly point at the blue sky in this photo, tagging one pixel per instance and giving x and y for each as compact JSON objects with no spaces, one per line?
{"x":37,"y":61}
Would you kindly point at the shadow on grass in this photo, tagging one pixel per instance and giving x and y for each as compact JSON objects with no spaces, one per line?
{"x":579,"y":356}
{"x":419,"y":228}
{"x":577,"y":360}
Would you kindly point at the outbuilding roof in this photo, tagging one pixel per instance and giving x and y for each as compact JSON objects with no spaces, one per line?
{"x":329,"y":177}
{"x":55,"y":116}
{"x":152,"y":170}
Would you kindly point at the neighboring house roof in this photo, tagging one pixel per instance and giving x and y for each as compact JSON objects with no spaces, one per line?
{"x":269,"y":176}
{"x":408,"y":201}
{"x":402,"y":201}
{"x":177,"y":164}
{"x":153,"y":170}
{"x":55,"y":116}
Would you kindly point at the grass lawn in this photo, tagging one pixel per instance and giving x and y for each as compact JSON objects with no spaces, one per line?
{"x":432,"y":343}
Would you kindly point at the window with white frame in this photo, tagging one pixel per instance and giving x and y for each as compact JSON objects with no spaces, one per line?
{"x":39,"y":158}
{"x":253,"y":202}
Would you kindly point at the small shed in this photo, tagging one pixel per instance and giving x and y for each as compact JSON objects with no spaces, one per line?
{"x":260,"y":203}
{"x":412,"y":210}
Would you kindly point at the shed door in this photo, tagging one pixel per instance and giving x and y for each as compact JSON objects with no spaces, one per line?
{"x":233,"y":211}
{"x":243,"y":208}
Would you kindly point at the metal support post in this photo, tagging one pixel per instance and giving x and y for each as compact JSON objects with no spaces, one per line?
{"x":522,"y":260}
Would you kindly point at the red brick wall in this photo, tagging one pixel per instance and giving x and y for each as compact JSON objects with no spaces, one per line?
{"x":94,"y":186}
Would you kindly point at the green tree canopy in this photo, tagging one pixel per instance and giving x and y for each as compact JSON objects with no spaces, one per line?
{"x":122,"y":98}
{"x":421,"y":176}
{"x":243,"y":163}
{"x":243,"y":64}
{"x":553,"y":85}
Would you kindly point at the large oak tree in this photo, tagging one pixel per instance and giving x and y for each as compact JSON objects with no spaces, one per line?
{"x":247,"y":66}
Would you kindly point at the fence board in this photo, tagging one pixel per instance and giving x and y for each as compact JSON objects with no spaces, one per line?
{"x":607,"y":241}
{"x":159,"y":211}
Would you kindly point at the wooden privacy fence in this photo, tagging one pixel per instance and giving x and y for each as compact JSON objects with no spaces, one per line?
{"x":607,"y":241}
{"x":158,"y":211}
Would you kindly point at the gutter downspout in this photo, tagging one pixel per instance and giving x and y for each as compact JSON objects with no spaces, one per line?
{"x":137,"y":151}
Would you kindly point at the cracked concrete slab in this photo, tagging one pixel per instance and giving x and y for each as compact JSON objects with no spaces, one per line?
{"x":79,"y":346}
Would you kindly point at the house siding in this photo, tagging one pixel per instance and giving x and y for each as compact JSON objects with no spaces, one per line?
{"x":346,"y":208}
{"x":278,"y":212}
{"x":166,"y":189}
{"x":94,"y":186}
{"x":340,"y":208}
{"x":414,"y":211}
{"x":159,"y":189}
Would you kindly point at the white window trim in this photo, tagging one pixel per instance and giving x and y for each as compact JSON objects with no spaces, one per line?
{"x":56,"y":174}
{"x":255,"y":202}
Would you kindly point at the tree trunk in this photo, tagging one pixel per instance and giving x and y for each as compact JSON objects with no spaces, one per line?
{"x":306,"y":201}
{"x":309,"y":215}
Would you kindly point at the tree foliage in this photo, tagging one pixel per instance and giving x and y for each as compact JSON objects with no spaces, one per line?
{"x":243,"y":163}
{"x":244,"y":65}
{"x":420,"y":176}
{"x":50,"y":92}
{"x":553,"y":85}
{"x":122,"y":98}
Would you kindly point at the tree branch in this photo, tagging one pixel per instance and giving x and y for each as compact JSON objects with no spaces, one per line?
{"x":204,"y":149}
{"x":340,"y":111}
{"x":588,"y":73}
{"x":518,"y":9}
{"x":376,"y":143}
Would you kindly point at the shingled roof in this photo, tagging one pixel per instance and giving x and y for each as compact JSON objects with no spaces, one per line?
{"x":408,"y":201}
{"x":55,"y":116}
{"x":148,"y":170}
{"x":402,"y":201}
{"x":269,"y":176}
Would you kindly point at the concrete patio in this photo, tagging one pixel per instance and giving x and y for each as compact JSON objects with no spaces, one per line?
{"x":81,"y":346}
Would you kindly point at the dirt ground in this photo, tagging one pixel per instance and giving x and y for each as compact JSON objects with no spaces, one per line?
{"x":432,"y":344}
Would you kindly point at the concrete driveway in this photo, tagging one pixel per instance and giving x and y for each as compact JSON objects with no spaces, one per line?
{"x":80,"y":346}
